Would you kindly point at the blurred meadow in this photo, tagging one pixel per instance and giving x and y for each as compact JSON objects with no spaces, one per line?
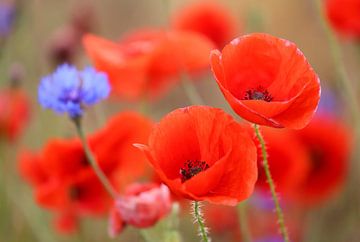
{"x":29,"y":52}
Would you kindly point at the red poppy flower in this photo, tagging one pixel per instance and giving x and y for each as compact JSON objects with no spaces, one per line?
{"x":288,"y":160}
{"x":121,"y":159}
{"x":141,"y":206}
{"x":208,"y":18}
{"x":64,"y":181}
{"x":14,"y":113}
{"x":329,"y":143}
{"x":267,"y":81}
{"x":202,"y":153}
{"x":146,"y":63}
{"x":66,"y":223}
{"x":344,"y":16}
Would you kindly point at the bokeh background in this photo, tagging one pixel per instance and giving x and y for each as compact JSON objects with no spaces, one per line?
{"x":28,"y":48}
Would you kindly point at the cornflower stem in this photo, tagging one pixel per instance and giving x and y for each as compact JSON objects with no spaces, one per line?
{"x":244,"y":227}
{"x":89,"y":155}
{"x":343,"y":80}
{"x":191,"y":92}
{"x":270,"y":181}
{"x":199,"y":219}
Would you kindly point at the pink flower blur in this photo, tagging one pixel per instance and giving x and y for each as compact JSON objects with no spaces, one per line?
{"x":141,"y":206}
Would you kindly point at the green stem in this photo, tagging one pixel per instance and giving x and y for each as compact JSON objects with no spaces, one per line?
{"x":199,"y":219}
{"x":244,"y":227}
{"x":102,"y":177}
{"x":145,"y":236}
{"x":269,"y":179}
{"x":343,"y":79}
{"x":191,"y":92}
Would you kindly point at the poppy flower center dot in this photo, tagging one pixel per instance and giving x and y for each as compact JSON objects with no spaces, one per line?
{"x":84,"y":162}
{"x":259,"y":93}
{"x":74,"y":192}
{"x":192,"y":168}
{"x":317,"y":158}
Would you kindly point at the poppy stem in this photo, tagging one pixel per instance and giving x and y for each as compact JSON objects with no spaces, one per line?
{"x":343,"y":80}
{"x":200,"y":220}
{"x":89,"y":155}
{"x":144,"y":235}
{"x":244,"y":227}
{"x":269,"y":179}
{"x":191,"y":92}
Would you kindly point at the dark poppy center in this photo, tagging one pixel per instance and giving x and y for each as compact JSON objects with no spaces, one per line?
{"x":84,"y":161}
{"x":192,"y":168}
{"x":75,"y":192}
{"x":259,"y":93}
{"x":317,"y":158}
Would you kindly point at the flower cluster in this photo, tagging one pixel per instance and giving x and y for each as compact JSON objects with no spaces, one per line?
{"x":132,"y":170}
{"x":63,"y":179}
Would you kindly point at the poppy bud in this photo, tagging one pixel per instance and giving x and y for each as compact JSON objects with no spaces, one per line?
{"x":141,"y":206}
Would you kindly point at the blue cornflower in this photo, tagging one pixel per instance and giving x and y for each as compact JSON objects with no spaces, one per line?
{"x":7,"y":15}
{"x":68,"y":90}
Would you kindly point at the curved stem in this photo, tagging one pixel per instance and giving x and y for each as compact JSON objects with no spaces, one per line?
{"x":343,"y":79}
{"x":269,"y":179}
{"x":191,"y":92}
{"x":102,"y":177}
{"x":199,"y":219}
{"x":244,"y":227}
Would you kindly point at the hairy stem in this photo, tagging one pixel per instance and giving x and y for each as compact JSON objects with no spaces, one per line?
{"x":199,"y":219}
{"x":270,"y":181}
{"x":100,"y":174}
